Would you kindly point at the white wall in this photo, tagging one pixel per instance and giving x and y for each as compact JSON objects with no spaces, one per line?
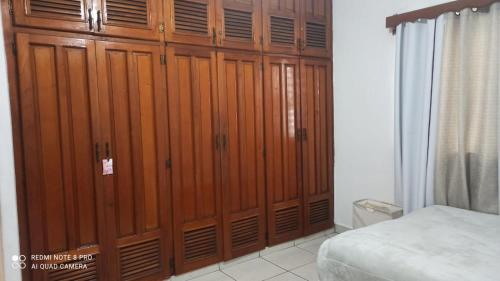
{"x":364,"y":64}
{"x":9,"y":236}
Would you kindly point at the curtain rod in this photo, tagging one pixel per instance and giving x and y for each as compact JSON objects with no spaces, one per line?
{"x":435,"y":11}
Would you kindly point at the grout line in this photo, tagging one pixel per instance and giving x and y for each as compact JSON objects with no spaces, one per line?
{"x":231,"y":277}
{"x":299,"y":276}
{"x":291,"y":268}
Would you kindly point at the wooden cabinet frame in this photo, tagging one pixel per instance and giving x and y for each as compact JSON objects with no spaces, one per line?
{"x":39,"y":27}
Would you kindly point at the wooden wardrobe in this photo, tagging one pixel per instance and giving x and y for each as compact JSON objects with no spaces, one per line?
{"x":160,"y":136}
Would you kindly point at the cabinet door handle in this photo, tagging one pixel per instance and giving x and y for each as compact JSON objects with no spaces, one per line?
{"x":91,"y":20}
{"x":107,"y":151}
{"x":217,"y":142}
{"x":214,"y":36}
{"x":298,"y":134}
{"x":224,"y":141}
{"x":304,"y":134}
{"x":97,"y":156}
{"x":99,"y":21}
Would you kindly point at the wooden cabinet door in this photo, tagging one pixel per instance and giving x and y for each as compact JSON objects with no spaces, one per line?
{"x":239,"y":24}
{"x":281,"y":26}
{"x":195,"y":143}
{"x":132,"y":105}
{"x":133,"y":19}
{"x":317,"y":143}
{"x":190,"y":22}
{"x":242,"y":146}
{"x":282,"y":121}
{"x":316,"y":28}
{"x":58,"y":101}
{"x":70,"y":15}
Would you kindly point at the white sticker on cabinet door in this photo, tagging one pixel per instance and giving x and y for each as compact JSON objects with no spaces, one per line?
{"x":107,"y":167}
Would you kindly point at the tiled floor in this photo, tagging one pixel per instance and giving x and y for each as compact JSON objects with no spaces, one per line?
{"x":291,"y":261}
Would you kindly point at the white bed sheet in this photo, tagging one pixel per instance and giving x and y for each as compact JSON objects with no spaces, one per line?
{"x":437,"y":243}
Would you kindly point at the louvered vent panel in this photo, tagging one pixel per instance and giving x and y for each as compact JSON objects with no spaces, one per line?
{"x":316,"y":35}
{"x":139,"y":260}
{"x":64,"y":8}
{"x":245,"y":232}
{"x":191,"y":17}
{"x":238,"y":24}
{"x":127,"y":12}
{"x":282,"y":31}
{"x":200,"y":243}
{"x":287,"y":220}
{"x":319,"y":211}
{"x":82,"y":270}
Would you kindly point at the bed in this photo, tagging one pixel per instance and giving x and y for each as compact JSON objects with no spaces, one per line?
{"x":435,"y":243}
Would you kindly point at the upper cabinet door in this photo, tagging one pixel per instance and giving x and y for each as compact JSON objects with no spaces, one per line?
{"x":281,"y":26}
{"x":132,"y":103}
{"x":58,"y":98}
{"x":317,"y":143}
{"x":316,"y":28}
{"x":239,"y":24}
{"x":69,"y":15}
{"x":190,"y":22}
{"x":133,"y":18}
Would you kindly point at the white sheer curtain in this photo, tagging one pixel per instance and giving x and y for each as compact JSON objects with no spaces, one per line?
{"x":467,"y":144}
{"x":418,"y":55}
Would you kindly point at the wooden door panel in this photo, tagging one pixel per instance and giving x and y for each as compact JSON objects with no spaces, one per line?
{"x":317,"y":28}
{"x":70,"y":15}
{"x":194,"y":128}
{"x":190,"y":22}
{"x":58,"y":91}
{"x":317,"y":143}
{"x":241,"y":114}
{"x":239,"y":24}
{"x":282,"y":119}
{"x":132,"y":105}
{"x":281,"y":26}
{"x":133,"y":19}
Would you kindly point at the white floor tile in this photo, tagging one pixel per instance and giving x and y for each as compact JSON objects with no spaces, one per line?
{"x":286,"y":277}
{"x":214,"y":276}
{"x":239,"y":260}
{"x":309,"y":238}
{"x":308,"y":272}
{"x":276,"y":248}
{"x":254,"y":270}
{"x":291,"y":258}
{"x":313,"y":245}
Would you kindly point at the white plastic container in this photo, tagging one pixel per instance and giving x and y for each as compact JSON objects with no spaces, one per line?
{"x":367,"y":212}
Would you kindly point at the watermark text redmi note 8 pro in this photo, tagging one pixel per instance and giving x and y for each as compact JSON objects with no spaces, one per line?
{"x":52,"y":262}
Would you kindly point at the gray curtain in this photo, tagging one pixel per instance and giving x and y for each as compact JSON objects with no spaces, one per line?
{"x":418,"y":55}
{"x":467,"y":169}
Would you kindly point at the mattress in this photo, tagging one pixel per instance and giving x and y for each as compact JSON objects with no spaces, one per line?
{"x":435,"y":243}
